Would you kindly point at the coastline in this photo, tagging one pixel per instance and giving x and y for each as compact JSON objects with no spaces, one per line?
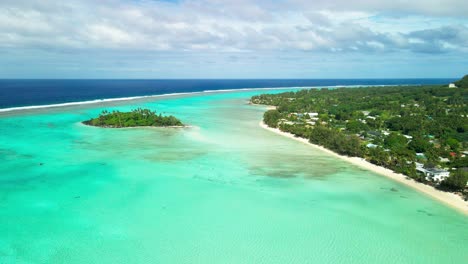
{"x":447,"y":198}
{"x":268,"y":107}
{"x":135,"y":127}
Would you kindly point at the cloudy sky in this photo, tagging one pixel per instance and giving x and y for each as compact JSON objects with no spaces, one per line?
{"x":233,"y":38}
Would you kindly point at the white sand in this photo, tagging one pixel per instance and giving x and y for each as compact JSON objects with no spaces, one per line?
{"x":450,"y":199}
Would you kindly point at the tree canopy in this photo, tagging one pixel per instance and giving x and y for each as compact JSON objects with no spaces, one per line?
{"x":463,"y":82}
{"x":136,"y":118}
{"x":392,"y":126}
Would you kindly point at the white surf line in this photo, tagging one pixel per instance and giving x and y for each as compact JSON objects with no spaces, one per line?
{"x":96,"y":101}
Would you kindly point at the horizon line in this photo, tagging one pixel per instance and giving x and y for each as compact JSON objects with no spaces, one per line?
{"x":181,"y":79}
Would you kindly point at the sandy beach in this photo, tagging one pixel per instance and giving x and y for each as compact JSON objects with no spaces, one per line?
{"x":447,"y":198}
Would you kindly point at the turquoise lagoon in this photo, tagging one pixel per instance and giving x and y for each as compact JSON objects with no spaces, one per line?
{"x":222,"y":191}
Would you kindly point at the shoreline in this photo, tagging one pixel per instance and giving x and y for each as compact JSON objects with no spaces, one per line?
{"x":134,"y":127}
{"x":450,"y":199}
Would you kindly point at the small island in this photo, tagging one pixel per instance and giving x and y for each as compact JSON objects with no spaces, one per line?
{"x":136,"y":118}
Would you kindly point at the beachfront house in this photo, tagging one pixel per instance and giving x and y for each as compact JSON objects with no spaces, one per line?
{"x":437,"y":175}
{"x":445,"y":160}
{"x":452,"y":85}
{"x":285,"y":122}
{"x":433,"y":174}
{"x":312,"y":115}
{"x":420,"y":156}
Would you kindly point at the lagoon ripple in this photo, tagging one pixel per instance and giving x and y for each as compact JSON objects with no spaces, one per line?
{"x":221,"y":191}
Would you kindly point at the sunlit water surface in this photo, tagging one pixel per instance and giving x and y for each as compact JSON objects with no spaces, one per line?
{"x":222,"y":191}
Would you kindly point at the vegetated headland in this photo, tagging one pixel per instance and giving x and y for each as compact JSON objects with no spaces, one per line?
{"x":136,"y":118}
{"x":417,"y":131}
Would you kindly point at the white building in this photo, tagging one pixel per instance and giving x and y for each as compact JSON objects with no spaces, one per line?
{"x":432,"y":174}
{"x":444,"y":159}
{"x":437,"y":175}
{"x":452,"y":85}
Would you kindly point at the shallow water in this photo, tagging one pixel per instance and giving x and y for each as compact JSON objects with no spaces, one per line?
{"x":222,"y":191}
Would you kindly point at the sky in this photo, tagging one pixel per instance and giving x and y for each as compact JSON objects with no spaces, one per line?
{"x":154,"y":39}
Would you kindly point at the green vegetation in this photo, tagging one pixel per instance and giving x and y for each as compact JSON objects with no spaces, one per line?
{"x":463,"y":83}
{"x":271,"y":118}
{"x":339,"y":142}
{"x":456,"y":181}
{"x":394,"y":126}
{"x":136,"y":118}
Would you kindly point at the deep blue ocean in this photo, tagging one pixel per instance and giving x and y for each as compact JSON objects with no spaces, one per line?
{"x":16,"y":93}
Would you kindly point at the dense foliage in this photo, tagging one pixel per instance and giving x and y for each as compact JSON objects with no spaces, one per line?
{"x":391,"y":126}
{"x":463,"y":83}
{"x":271,"y":118}
{"x":136,"y":118}
{"x":456,"y":181}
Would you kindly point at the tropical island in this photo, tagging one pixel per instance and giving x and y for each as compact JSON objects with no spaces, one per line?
{"x":417,"y":131}
{"x":136,"y":118}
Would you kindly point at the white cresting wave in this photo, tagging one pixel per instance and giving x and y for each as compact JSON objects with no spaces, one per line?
{"x":96,"y":101}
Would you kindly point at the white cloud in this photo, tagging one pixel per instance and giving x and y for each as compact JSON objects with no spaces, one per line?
{"x":241,"y":25}
{"x":419,"y":7}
